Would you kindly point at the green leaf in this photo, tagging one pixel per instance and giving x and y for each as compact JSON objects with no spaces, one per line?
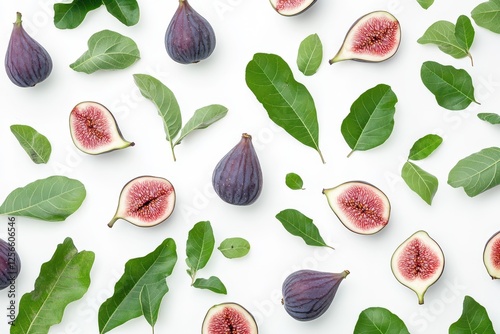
{"x":287,"y":102}
{"x":202,"y":118}
{"x":165,"y":102}
{"x":310,"y":54}
{"x":234,"y":247}
{"x":420,"y":181}
{"x":464,"y":33}
{"x":213,"y":284}
{"x":452,"y":88}
{"x":126,"y":11}
{"x":199,"y":246}
{"x":71,"y":15}
{"x":294,"y":181}
{"x":491,"y":118}
{"x":51,"y":199}
{"x":443,"y":34}
{"x":379,"y":320}
{"x":487,"y":15}
{"x":478,"y":172}
{"x":65,"y":278}
{"x":151,"y":297}
{"x":301,"y":226}
{"x":424,"y":147}
{"x":371,"y":119}
{"x":35,"y":144}
{"x":125,"y":303}
{"x":474,"y":319}
{"x":425,"y":4}
{"x":108,"y":50}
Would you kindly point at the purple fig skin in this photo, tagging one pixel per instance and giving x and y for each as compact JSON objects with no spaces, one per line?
{"x":189,"y":37}
{"x":237,"y":178}
{"x":307,"y":294}
{"x":27,"y":63}
{"x":10,"y":264}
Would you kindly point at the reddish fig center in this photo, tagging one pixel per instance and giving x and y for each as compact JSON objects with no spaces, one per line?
{"x":377,"y":36}
{"x":418,"y":261}
{"x":288,"y":4}
{"x":229,"y":321}
{"x":148,"y":200}
{"x":495,"y":254}
{"x":91,"y":128}
{"x":363,"y":207}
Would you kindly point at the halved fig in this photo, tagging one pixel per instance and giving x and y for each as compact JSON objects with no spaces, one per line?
{"x":291,"y":7}
{"x":360,"y":206}
{"x":145,"y":201}
{"x":491,"y":256}
{"x":418,"y":263}
{"x":229,"y":318}
{"x":374,"y":37}
{"x":94,"y":130}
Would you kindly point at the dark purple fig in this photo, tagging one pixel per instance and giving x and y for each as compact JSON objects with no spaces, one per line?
{"x":360,"y":206}
{"x":94,"y":130}
{"x":228,"y":318}
{"x":374,"y":37}
{"x":237,"y":178}
{"x":418,"y":263}
{"x":189,"y":37}
{"x":10,"y":264}
{"x":291,"y":7}
{"x":145,"y":201}
{"x":491,"y":256}
{"x":27,"y":63}
{"x":307,"y":294}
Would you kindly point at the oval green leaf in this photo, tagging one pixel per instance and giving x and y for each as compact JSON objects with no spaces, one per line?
{"x":487,"y":15}
{"x":199,"y":246}
{"x":36,"y":145}
{"x":202,"y":118}
{"x":234,"y":247}
{"x":474,"y":319}
{"x":381,"y":321}
{"x":294,"y":181}
{"x":71,"y":15}
{"x":420,"y":181}
{"x":442,"y":34}
{"x":213,"y":284}
{"x":491,"y":118}
{"x":464,"y":33}
{"x":424,"y":147}
{"x":310,"y":55}
{"x":126,"y":11}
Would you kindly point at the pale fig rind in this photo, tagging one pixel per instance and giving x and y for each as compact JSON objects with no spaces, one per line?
{"x":94,"y":130}
{"x":145,"y":201}
{"x":291,"y":7}
{"x":307,"y":294}
{"x":491,"y":256}
{"x":418,"y":263}
{"x":10,"y":264}
{"x":27,"y":63}
{"x":360,"y":206}
{"x":229,"y":317}
{"x":374,"y":37}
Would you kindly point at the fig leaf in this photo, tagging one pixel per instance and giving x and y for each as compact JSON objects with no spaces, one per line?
{"x":379,"y":320}
{"x":126,"y":11}
{"x":34,"y":143}
{"x":44,"y":306}
{"x":425,"y":4}
{"x":420,"y":181}
{"x":71,"y":15}
{"x":294,"y":181}
{"x":474,"y":319}
{"x":424,"y":147}
{"x":487,"y":15}
{"x":199,"y":247}
{"x":212,"y":283}
{"x":202,"y":118}
{"x":491,"y":118}
{"x":310,"y":55}
{"x":234,"y":247}
{"x":151,"y":297}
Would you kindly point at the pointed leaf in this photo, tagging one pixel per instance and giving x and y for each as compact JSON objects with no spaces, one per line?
{"x":71,"y":15}
{"x":491,"y":118}
{"x":487,"y":15}
{"x":125,"y":303}
{"x":464,"y":32}
{"x":151,"y":297}
{"x":213,"y":284}
{"x":424,"y":147}
{"x":474,"y":319}
{"x":34,"y":143}
{"x":294,"y":181}
{"x":199,"y":246}
{"x":425,"y":4}
{"x":234,"y":247}
{"x":52,"y":199}
{"x":421,"y":182}
{"x":310,"y":55}
{"x":126,"y":11}
{"x":62,"y":280}
{"x":443,"y":34}
{"x":381,"y":321}
{"x":202,"y":118}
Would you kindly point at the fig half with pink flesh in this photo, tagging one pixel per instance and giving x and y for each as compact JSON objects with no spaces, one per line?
{"x":418,"y":263}
{"x":145,"y":201}
{"x":94,"y":130}
{"x":360,"y":206}
{"x":229,"y":318}
{"x":491,"y":256}
{"x":291,"y":7}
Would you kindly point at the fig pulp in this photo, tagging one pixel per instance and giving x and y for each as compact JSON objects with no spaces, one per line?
{"x":229,"y":318}
{"x":491,"y":256}
{"x":189,"y":37}
{"x":418,"y":263}
{"x":27,"y":63}
{"x":94,"y":130}
{"x":145,"y":201}
{"x":360,"y":206}
{"x":10,"y":264}
{"x":237,"y":178}
{"x":291,"y":7}
{"x":374,"y":37}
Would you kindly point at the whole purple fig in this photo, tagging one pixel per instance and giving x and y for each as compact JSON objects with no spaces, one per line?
{"x":189,"y":37}
{"x":10,"y":264}
{"x":27,"y":63}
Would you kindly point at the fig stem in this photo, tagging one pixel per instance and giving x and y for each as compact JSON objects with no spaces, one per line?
{"x":113,"y":221}
{"x":18,"y":18}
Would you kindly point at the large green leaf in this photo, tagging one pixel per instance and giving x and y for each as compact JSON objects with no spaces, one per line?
{"x":287,"y":102}
{"x":62,"y":280}
{"x":487,"y":15}
{"x":201,"y":119}
{"x":420,"y":181}
{"x":378,"y":320}
{"x":71,"y":15}
{"x":51,"y":199}
{"x":125,"y":303}
{"x":371,"y":119}
{"x":126,"y":11}
{"x":199,"y":247}
{"x":474,"y":319}
{"x":310,"y":54}
{"x":34,"y":143}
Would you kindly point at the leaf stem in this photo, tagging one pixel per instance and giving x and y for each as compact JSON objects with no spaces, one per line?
{"x":172,"y":148}
{"x":471,"y":59}
{"x":321,"y":156}
{"x":350,"y":153}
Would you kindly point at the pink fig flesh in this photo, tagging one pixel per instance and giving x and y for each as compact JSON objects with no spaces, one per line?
{"x":291,"y":7}
{"x":229,"y":318}
{"x":491,"y":256}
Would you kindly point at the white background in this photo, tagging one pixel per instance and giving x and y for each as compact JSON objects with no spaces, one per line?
{"x":461,"y":225}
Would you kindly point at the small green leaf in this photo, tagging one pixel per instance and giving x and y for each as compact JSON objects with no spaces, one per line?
{"x":425,"y":4}
{"x":371,"y":119}
{"x":464,"y":33}
{"x":71,"y":15}
{"x":443,"y":34}
{"x":491,"y":118}
{"x":107,"y":50}
{"x":310,"y":55}
{"x":51,"y":199}
{"x":301,"y":226}
{"x":424,"y":147}
{"x":478,"y":172}
{"x":420,"y":181}
{"x":63,"y":279}
{"x":202,"y":118}
{"x":381,"y":321}
{"x":213,"y":284}
{"x":474,"y":319}
{"x":199,"y":246}
{"x":126,"y":11}
{"x":452,"y":88}
{"x":294,"y":181}
{"x":234,"y":247}
{"x":151,"y":297}
{"x":34,"y":143}
{"x":487,"y":15}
